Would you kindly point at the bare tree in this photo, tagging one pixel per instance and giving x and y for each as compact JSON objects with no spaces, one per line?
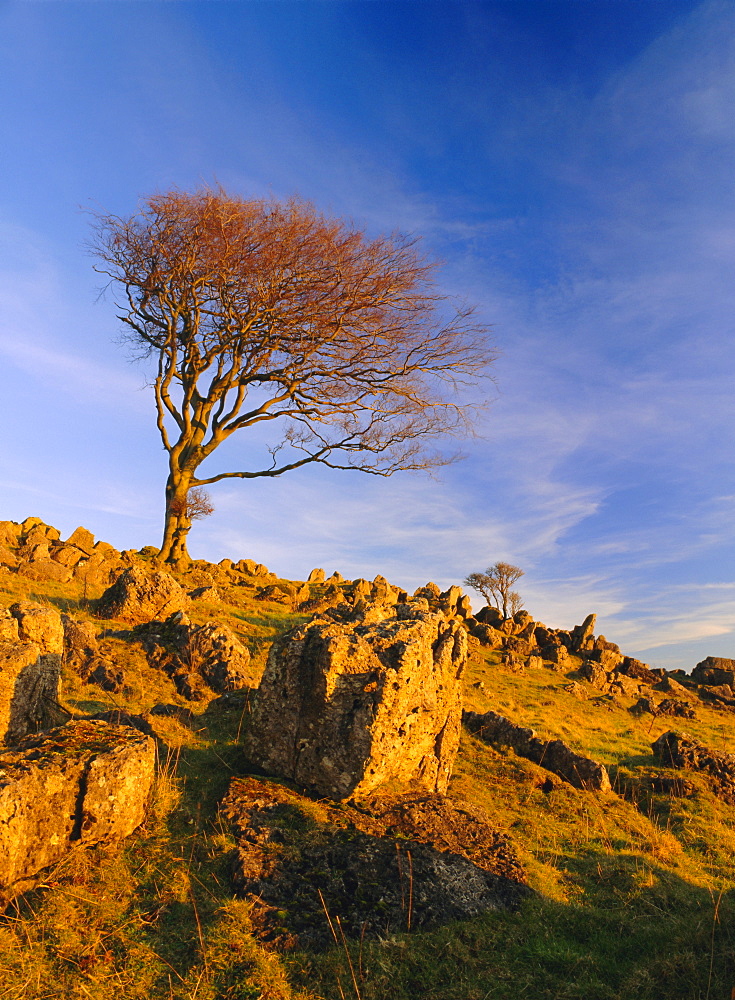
{"x":495,"y":586}
{"x":267,"y":314}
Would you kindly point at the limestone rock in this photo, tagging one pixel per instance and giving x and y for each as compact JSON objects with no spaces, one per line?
{"x":577,"y":690}
{"x":10,"y":533}
{"x":208,"y":594}
{"x":137,"y":597}
{"x":609,"y":659}
{"x":672,"y":687}
{"x":40,"y":534}
{"x":68,"y":555}
{"x":582,"y":636}
{"x":721,"y":694}
{"x":316,"y":576}
{"x":490,"y":616}
{"x":83,"y":783}
{"x":82,"y":654}
{"x":364,"y":864}
{"x":641,"y":671}
{"x":621,"y":684}
{"x":8,"y":558}
{"x":344,"y":707}
{"x":45,"y":569}
{"x":82,"y":539}
{"x":595,"y":674}
{"x":557,"y":656}
{"x":487,"y":635}
{"x":195,"y":655}
{"x":220,"y":657}
{"x":714,"y":670}
{"x":642,"y":706}
{"x":554,"y":755}
{"x":680,"y":750}
{"x":8,"y":627}
{"x":674,"y":707}
{"x":283,"y":593}
{"x":39,"y":624}
{"x":29,"y":524}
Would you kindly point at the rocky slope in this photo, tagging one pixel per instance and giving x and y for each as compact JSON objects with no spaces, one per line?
{"x":345,"y":772}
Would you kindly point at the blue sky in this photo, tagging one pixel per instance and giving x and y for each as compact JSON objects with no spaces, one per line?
{"x":572,"y":165}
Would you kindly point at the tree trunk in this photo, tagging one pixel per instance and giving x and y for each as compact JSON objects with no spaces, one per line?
{"x":173,"y":551}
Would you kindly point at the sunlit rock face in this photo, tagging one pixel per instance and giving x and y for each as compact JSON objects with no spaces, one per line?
{"x":83,"y":783}
{"x":361,"y":697}
{"x":138,"y":597}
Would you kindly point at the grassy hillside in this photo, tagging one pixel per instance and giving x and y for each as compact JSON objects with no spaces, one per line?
{"x":634,"y":890}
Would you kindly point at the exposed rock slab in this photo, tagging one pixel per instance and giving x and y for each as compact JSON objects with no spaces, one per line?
{"x":82,"y":783}
{"x":138,"y":597}
{"x":376,"y":869}
{"x":554,"y":755}
{"x":352,"y":700}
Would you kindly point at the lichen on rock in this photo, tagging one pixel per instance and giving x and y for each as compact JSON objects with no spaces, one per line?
{"x":360,"y":697}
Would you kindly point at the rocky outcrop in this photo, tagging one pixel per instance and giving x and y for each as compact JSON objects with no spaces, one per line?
{"x":714,"y":670}
{"x":82,"y":654}
{"x":395,"y":865}
{"x":679,"y":750}
{"x":219,"y":656}
{"x":137,"y":597}
{"x":582,"y":636}
{"x":358,"y":698}
{"x":676,"y":708}
{"x":83,"y":783}
{"x":640,"y":671}
{"x":194,"y":655}
{"x":554,"y":755}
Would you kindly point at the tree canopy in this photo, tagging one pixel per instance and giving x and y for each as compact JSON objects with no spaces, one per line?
{"x":495,"y":584}
{"x":265,"y":313}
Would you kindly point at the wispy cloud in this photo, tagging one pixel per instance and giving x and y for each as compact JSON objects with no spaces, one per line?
{"x":38,"y":319}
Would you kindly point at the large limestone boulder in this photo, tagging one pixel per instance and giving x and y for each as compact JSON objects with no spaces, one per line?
{"x":8,"y":626}
{"x":42,"y":570}
{"x":355,"y":699}
{"x":138,"y":597}
{"x":81,"y":784}
{"x":10,"y":533}
{"x":40,"y":624}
